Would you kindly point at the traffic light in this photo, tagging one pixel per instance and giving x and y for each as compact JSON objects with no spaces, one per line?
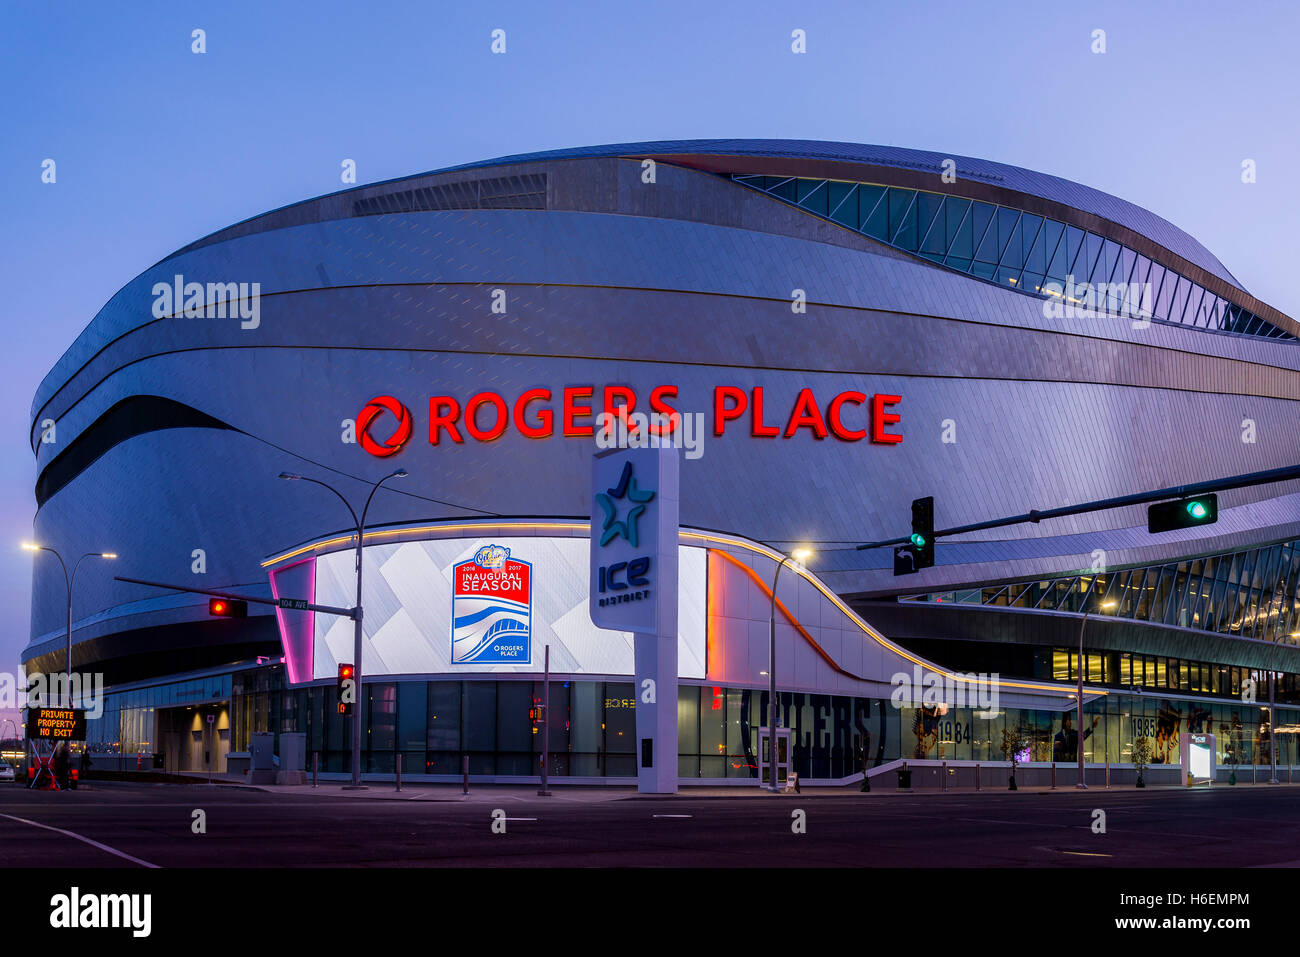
{"x":918,"y":552}
{"x":923,"y":532}
{"x":227,"y":608}
{"x":1183,"y":513}
{"x":347,"y":689}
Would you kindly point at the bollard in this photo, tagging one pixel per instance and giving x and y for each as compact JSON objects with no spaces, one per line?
{"x":943,"y":776}
{"x":1053,"y":772}
{"x":977,"y":777}
{"x":315,"y":767}
{"x":465,"y":772}
{"x":399,"y":772}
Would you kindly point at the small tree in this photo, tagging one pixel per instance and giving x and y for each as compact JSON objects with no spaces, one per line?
{"x":1141,"y":758}
{"x":1014,"y":740}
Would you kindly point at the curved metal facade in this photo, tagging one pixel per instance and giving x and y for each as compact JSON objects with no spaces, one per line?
{"x":688,"y":282}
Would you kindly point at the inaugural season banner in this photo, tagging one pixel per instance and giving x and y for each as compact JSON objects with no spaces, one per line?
{"x":491,"y":609}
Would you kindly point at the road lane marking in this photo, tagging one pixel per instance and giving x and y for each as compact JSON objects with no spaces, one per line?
{"x":86,"y":840}
{"x":672,"y":815}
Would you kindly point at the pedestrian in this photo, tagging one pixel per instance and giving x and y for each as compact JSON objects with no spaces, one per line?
{"x":61,"y":764}
{"x":866,"y":760}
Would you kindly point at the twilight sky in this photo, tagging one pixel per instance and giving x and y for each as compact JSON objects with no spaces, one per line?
{"x":156,"y":146}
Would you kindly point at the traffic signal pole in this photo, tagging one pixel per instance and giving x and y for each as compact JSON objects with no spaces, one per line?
{"x":544,"y":790}
{"x":1035,"y":516}
{"x":291,"y":604}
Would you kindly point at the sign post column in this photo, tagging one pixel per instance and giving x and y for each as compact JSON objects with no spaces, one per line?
{"x":634,"y":524}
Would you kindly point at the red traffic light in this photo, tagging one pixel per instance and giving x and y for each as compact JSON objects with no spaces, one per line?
{"x":227,"y":608}
{"x":345,"y":687}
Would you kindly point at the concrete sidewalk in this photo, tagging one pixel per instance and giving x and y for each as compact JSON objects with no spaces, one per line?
{"x":489,"y":793}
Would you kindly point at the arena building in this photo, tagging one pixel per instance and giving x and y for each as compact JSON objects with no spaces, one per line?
{"x":829,"y":331}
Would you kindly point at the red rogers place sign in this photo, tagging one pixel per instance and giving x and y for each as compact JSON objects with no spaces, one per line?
{"x":573,"y":412}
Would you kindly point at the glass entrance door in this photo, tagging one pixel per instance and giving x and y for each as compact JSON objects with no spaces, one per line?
{"x":782,"y":757}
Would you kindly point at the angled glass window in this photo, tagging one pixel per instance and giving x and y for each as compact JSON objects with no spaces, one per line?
{"x":1162,"y":288}
{"x":1124,"y":269}
{"x":869,"y":197}
{"x":1192,"y":316}
{"x":1217,"y":309}
{"x":813,"y":196}
{"x":876,"y":224}
{"x":982,"y":217}
{"x":1218,"y":314}
{"x":842,"y":203}
{"x":930,"y":226}
{"x":1086,"y":264}
{"x":1106,"y":260}
{"x":1141,"y":270}
{"x":1035,"y":253}
{"x":989,"y":252}
{"x":961,"y":234}
{"x":1014,"y":249}
{"x":785,"y":189}
{"x":900,"y":205}
{"x":1013,"y":255}
{"x":1137,"y":298}
{"x":1054,"y":251}
{"x":1073,"y":247}
{"x":1253,"y":594}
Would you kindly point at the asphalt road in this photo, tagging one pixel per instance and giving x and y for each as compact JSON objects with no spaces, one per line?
{"x":129,"y":825}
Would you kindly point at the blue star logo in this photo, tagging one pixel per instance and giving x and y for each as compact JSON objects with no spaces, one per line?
{"x":625,"y":490}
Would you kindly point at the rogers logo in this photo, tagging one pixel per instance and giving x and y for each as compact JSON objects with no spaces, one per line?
{"x":394,"y":443}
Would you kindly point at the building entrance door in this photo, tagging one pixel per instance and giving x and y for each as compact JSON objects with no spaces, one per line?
{"x":190,"y":742}
{"x":782,"y":757}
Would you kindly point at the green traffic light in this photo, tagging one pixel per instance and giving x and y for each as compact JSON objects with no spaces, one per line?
{"x":918,"y":540}
{"x":1197,"y":509}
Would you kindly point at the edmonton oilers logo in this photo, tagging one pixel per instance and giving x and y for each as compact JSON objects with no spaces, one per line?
{"x":491,"y":556}
{"x":384,"y":403}
{"x":492,"y":609}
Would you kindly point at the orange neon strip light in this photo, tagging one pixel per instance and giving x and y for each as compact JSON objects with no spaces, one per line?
{"x":786,"y":612}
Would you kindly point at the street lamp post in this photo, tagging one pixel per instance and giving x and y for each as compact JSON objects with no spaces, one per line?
{"x":1078,"y":721}
{"x":68,"y":581}
{"x":1272,"y":714}
{"x":799,"y":555}
{"x":360,"y":524}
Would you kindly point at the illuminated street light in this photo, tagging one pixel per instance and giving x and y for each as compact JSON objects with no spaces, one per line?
{"x":359,"y":523}
{"x":68,"y":580}
{"x":800,"y":555}
{"x":1078,"y":731}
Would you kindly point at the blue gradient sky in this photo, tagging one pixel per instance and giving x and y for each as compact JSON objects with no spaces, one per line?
{"x":157,"y":146}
